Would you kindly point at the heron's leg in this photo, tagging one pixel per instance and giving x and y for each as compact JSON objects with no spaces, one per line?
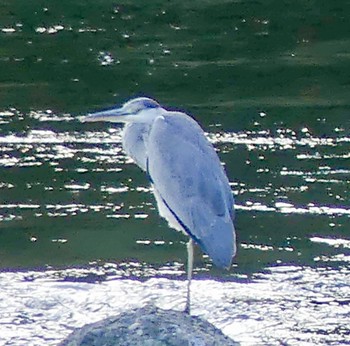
{"x":189,"y":273}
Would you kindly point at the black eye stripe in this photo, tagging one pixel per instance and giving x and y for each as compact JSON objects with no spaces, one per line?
{"x":137,"y":105}
{"x":150,"y":104}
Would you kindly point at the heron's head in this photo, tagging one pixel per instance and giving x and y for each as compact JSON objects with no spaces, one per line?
{"x":141,"y":109}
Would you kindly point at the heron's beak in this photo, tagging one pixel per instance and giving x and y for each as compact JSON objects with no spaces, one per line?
{"x":114,"y":115}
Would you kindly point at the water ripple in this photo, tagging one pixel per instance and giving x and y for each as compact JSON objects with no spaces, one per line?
{"x":293,"y":304}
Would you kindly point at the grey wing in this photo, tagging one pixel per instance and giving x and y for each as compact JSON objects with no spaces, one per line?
{"x":187,"y":175}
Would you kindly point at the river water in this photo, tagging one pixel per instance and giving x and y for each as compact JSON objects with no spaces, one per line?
{"x":80,"y":237}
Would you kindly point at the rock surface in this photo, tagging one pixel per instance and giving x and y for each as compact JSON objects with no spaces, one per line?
{"x":149,"y":326}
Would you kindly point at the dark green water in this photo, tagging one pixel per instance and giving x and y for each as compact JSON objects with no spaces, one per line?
{"x":269,"y":81}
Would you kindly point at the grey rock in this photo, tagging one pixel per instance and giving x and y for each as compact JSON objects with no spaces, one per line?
{"x":149,"y":326}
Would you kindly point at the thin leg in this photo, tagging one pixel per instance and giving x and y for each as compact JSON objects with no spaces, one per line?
{"x":189,"y":273}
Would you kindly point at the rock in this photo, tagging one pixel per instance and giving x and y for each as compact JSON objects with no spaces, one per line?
{"x":149,"y":326}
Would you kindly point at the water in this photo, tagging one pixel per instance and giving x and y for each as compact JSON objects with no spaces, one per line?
{"x":288,"y":306}
{"x":270,"y":90}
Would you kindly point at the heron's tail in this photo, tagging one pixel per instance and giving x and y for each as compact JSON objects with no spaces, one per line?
{"x":219,"y":242}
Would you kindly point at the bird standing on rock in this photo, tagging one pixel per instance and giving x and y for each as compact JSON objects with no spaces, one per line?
{"x":189,"y":183}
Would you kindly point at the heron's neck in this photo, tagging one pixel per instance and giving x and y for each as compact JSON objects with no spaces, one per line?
{"x":134,"y":138}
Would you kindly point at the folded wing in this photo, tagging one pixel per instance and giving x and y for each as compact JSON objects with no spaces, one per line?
{"x":189,"y":179}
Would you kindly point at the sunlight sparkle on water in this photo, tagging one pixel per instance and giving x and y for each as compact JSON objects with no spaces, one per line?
{"x":272,"y":307}
{"x":332,"y":242}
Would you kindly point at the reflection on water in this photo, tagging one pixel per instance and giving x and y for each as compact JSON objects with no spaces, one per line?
{"x":272,"y":93}
{"x":283,"y":181}
{"x":71,"y":197}
{"x":278,"y":175}
{"x":295,"y":193}
{"x":286,"y":305}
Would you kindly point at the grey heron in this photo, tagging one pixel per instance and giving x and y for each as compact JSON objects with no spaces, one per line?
{"x":189,"y":183}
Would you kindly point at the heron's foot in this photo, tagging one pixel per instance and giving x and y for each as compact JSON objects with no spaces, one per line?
{"x":187,"y":309}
